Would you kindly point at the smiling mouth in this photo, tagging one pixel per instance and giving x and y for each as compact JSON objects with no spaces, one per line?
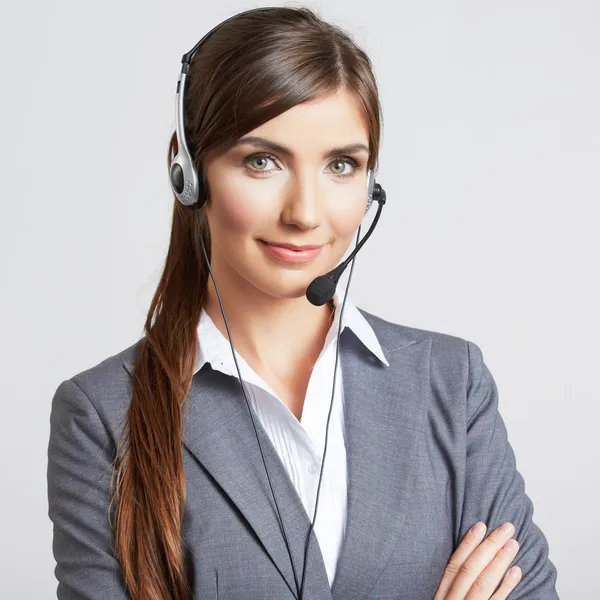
{"x":290,"y":255}
{"x":293,"y":246}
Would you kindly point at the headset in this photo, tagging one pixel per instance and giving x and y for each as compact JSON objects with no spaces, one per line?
{"x":185,"y":182}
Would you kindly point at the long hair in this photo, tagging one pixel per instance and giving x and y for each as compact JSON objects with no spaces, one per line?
{"x":253,"y":68}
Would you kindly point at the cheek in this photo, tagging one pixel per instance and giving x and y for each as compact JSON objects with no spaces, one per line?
{"x":236,"y":209}
{"x":346,"y":214}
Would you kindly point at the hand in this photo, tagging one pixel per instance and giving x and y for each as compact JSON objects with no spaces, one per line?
{"x":476,"y":567}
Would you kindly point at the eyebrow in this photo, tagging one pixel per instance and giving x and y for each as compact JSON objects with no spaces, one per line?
{"x":275,"y":147}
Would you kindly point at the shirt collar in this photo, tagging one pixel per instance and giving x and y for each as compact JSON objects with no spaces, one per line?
{"x":214,"y":347}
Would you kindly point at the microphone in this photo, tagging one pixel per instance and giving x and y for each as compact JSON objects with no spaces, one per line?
{"x":322,"y":288}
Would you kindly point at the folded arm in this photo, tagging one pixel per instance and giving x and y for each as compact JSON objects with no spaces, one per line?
{"x":495,"y":490}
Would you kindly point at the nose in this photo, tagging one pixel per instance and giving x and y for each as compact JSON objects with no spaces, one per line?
{"x":303,"y":203}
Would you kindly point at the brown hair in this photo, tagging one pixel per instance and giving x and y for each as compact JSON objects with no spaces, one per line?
{"x":253,"y":68}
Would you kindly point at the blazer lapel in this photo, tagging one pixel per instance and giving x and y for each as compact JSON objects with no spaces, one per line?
{"x":220,"y":434}
{"x":385,"y":410}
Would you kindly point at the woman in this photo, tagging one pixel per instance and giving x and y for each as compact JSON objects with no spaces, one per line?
{"x":165,"y":481}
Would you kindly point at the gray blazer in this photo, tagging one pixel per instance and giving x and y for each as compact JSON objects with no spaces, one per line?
{"x":428,"y":457}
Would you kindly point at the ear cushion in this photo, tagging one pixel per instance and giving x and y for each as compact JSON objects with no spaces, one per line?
{"x":202,"y":196}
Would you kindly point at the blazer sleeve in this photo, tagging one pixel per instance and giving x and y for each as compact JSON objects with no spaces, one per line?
{"x":78,"y":474}
{"x":495,"y":490}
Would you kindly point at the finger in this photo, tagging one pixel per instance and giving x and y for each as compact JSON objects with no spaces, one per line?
{"x":489,"y":578}
{"x":487,"y":581}
{"x":471,"y":540}
{"x":509,"y":583}
{"x":478,"y":560}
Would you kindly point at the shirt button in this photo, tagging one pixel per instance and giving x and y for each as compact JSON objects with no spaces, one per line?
{"x":314,"y":468}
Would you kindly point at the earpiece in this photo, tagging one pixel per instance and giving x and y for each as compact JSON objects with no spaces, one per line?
{"x":185,"y":180}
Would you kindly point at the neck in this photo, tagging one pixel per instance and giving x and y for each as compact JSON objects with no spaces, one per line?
{"x":281,"y":336}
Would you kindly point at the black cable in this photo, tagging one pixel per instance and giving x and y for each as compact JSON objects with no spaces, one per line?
{"x":337,"y":352}
{"x":249,"y":410}
{"x":300,"y":588}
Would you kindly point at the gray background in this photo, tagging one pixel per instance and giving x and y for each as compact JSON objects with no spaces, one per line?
{"x":490,"y":158}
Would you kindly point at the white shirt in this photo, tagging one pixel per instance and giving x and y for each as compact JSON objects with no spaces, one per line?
{"x":300,"y":444}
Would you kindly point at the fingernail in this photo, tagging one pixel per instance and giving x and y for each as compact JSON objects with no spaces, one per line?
{"x":478,"y":529}
{"x":506,"y":528}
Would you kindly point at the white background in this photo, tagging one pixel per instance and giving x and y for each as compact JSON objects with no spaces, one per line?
{"x":490,"y":160}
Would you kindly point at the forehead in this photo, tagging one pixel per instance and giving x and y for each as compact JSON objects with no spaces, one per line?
{"x":320,"y":123}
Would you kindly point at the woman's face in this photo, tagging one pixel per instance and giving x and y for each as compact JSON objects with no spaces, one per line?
{"x":303,"y":195}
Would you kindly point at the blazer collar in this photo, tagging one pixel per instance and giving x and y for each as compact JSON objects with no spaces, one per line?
{"x":385,"y":410}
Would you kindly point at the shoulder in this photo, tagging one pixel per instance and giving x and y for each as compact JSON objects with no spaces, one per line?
{"x":393,"y":335}
{"x":109,"y":372}
{"x":450,"y":356}
{"x":102,"y":390}
{"x":458,"y":374}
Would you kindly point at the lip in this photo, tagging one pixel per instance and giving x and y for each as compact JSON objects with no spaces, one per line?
{"x":290,"y":253}
{"x":293,"y":246}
